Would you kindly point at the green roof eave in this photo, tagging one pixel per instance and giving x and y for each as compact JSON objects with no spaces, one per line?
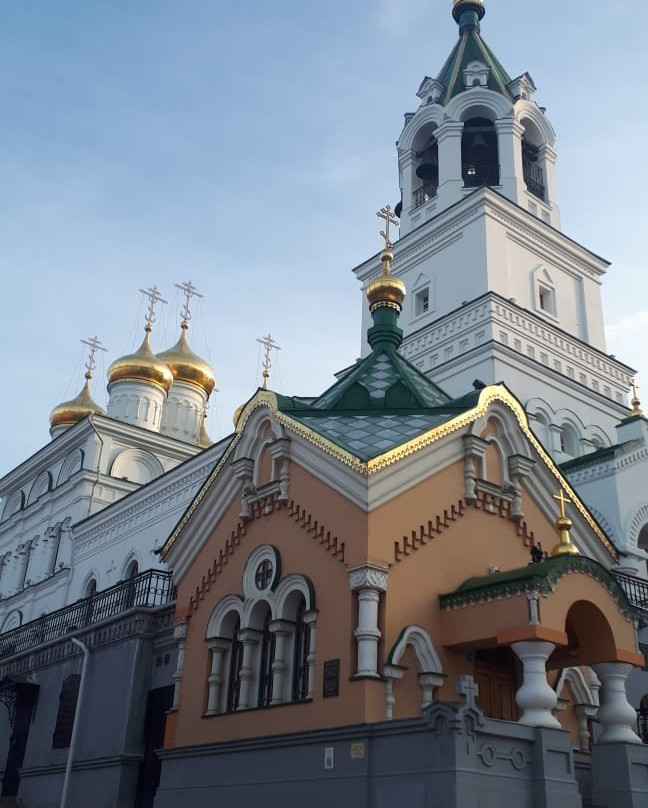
{"x":540,"y":578}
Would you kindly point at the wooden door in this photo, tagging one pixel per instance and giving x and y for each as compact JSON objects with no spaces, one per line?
{"x":496,"y":677}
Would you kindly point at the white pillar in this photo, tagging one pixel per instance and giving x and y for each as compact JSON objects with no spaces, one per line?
{"x":509,"y":143}
{"x":179,"y":635}
{"x":616,"y":715}
{"x":281,"y":630}
{"x":249,"y":638}
{"x":309,"y":620}
{"x":448,"y":137}
{"x":217,"y":646}
{"x":368,"y":581}
{"x":535,"y":698}
{"x":583,"y":713}
{"x":392,"y":673}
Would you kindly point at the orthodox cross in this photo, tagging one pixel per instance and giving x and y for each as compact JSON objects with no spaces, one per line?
{"x":387,"y":214}
{"x":95,"y":345}
{"x":469,"y":689}
{"x":560,"y":496}
{"x":269,"y":344}
{"x":263,"y":574}
{"x":154,"y":297}
{"x":189,"y":291}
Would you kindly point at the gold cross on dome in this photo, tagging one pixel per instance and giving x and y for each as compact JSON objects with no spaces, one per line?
{"x":94,"y":343}
{"x":560,"y":496}
{"x":189,"y":291}
{"x":154,"y":297}
{"x":269,"y":344}
{"x":388,"y":215}
{"x":635,"y":387}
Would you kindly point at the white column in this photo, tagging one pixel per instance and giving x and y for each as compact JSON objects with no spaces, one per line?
{"x":368,"y":581}
{"x":583,"y":713}
{"x":391,"y":673}
{"x":179,"y":635}
{"x":509,"y":143}
{"x":249,"y":638}
{"x":309,"y":620}
{"x":281,"y":630}
{"x":428,"y":682}
{"x":448,"y":136}
{"x":616,"y":715}
{"x":547,"y":157}
{"x":217,"y":646}
{"x":535,"y":698}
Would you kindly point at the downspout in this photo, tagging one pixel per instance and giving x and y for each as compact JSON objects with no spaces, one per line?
{"x":75,"y":725}
{"x":96,"y":482}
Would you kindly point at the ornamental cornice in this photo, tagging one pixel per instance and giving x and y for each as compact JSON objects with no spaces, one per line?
{"x":368,"y":576}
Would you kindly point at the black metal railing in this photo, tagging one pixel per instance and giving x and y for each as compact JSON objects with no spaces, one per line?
{"x":533,"y":177}
{"x":423,"y":195}
{"x":635,"y":588}
{"x":476,"y":175}
{"x":150,"y":588}
{"x":642,"y":724}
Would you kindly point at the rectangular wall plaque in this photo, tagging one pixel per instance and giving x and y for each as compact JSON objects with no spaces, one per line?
{"x":331,"y":682}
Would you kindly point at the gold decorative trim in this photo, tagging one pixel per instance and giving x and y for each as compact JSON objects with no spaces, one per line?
{"x":488,"y":396}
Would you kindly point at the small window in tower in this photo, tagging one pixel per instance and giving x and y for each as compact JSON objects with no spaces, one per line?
{"x":422,"y":301}
{"x":547,"y":300}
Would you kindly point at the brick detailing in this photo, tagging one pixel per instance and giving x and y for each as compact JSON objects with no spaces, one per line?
{"x":305,"y":520}
{"x":489,"y":503}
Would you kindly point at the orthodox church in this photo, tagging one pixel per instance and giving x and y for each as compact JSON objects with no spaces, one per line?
{"x":426,"y":584}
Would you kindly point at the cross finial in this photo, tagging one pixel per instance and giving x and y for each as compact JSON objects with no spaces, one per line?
{"x":560,"y":496}
{"x":95,"y":345}
{"x":388,"y":215}
{"x":154,"y":297}
{"x":189,"y":291}
{"x":269,"y":344}
{"x":636,"y":404}
{"x":468,"y":688}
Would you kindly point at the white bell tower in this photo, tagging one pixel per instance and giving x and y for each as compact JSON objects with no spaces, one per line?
{"x":496,"y":292}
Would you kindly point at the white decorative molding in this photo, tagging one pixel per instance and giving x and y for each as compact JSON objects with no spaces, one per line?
{"x":368,"y":576}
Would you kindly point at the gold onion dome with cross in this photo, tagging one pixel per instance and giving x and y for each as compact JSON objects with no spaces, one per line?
{"x":69,"y":413}
{"x":386,"y":290}
{"x":142,"y":366}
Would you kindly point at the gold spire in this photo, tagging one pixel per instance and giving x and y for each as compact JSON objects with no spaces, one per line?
{"x":204,"y":441}
{"x":564,"y":525}
{"x":143,"y":365}
{"x":71,"y":412}
{"x":636,"y":404}
{"x":386,"y":290}
{"x":269,"y":345}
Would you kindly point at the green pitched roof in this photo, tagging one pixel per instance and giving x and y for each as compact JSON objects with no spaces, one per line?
{"x":470,"y":48}
{"x":383,"y":402}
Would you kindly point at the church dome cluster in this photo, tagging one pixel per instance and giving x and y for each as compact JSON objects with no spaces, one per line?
{"x":165,"y":392}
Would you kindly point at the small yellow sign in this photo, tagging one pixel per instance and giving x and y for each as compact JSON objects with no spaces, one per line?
{"x":357,"y":751}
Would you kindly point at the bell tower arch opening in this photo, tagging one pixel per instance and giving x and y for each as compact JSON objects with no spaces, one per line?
{"x":479,"y":153}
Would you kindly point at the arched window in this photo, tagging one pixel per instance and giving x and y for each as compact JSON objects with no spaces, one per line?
{"x":532,"y":169}
{"x":266,"y":656}
{"x":91,"y":588}
{"x":479,"y":153}
{"x":234,"y":670}
{"x":427,"y":172}
{"x":132,"y":569}
{"x":569,"y":440}
{"x":301,"y":650}
{"x":642,"y":542}
{"x":66,"y":711}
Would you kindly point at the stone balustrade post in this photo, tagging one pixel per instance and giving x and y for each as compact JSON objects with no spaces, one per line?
{"x":616,"y":716}
{"x":535,"y":698}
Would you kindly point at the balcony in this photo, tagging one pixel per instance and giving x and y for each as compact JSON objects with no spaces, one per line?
{"x":533,"y":177}
{"x":149,"y":589}
{"x":476,"y":175}
{"x":423,"y":195}
{"x":635,"y":588}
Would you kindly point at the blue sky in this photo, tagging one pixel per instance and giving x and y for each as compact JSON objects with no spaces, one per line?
{"x":247,"y":147}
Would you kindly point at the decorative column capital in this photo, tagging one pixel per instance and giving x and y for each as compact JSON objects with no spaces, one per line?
{"x":448,"y":129}
{"x":520,"y":466}
{"x":283,"y":627}
{"x":509,"y":126}
{"x":218,"y":643}
{"x":249,"y":636}
{"x":368,"y":576}
{"x":180,"y":631}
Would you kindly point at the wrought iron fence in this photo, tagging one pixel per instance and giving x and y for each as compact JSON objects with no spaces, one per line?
{"x":635,"y":588}
{"x":642,"y":724}
{"x":423,"y":195}
{"x":533,"y":177}
{"x":150,"y":588}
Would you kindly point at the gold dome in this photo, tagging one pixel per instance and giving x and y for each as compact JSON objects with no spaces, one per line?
{"x":386,"y":290}
{"x":142,"y":366}
{"x":71,"y":412}
{"x":204,"y":441}
{"x":186,"y":366}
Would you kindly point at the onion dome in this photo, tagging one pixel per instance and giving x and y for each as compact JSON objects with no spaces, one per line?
{"x":386,"y":290}
{"x":204,"y":441}
{"x":186,"y":366}
{"x":142,"y":366}
{"x":71,"y":412}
